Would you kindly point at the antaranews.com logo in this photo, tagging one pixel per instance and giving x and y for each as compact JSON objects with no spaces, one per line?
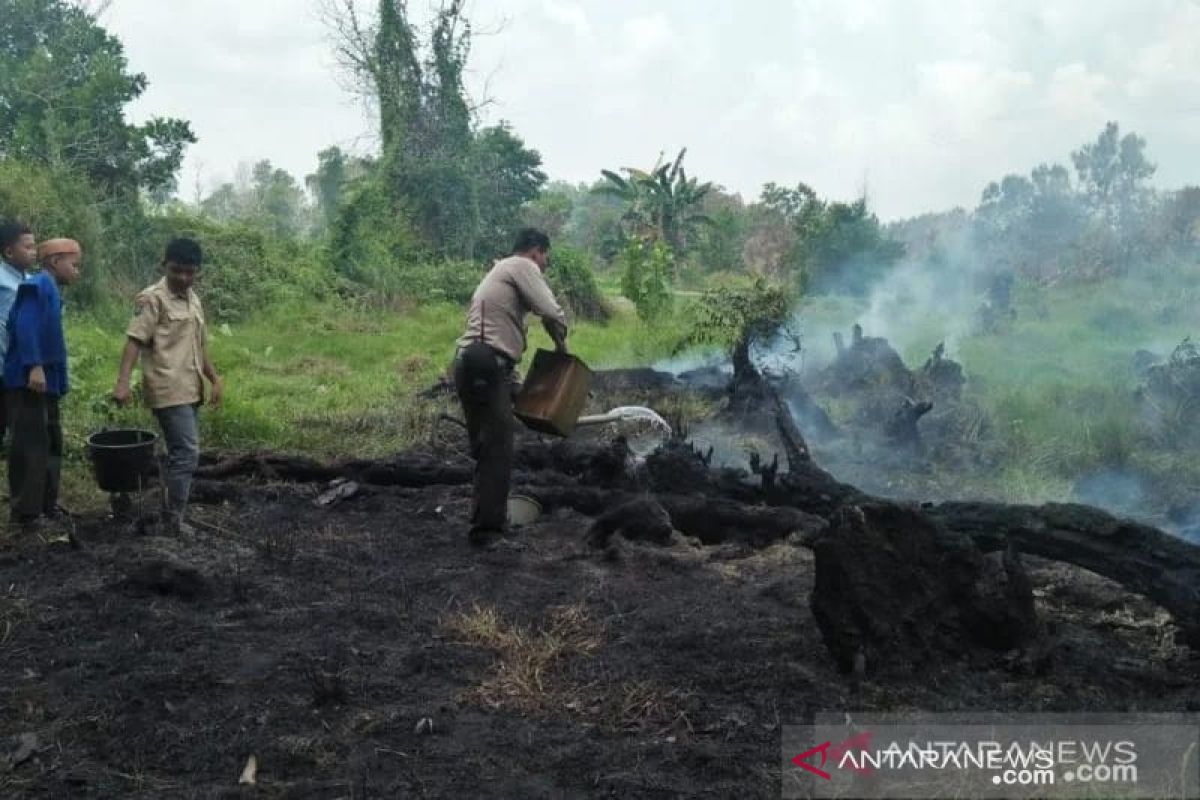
{"x":936,"y":756}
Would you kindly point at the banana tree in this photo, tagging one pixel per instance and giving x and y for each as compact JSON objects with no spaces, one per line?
{"x":663,"y":203}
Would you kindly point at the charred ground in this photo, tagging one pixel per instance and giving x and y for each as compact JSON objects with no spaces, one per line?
{"x":362,"y":649}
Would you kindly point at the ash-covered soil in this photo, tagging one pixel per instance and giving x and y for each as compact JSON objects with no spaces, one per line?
{"x":365,"y":650}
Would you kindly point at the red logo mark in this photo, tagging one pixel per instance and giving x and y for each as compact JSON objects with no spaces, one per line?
{"x":856,"y":742}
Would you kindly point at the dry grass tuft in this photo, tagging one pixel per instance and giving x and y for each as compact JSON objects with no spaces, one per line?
{"x":526,"y":677}
{"x":529,"y":675}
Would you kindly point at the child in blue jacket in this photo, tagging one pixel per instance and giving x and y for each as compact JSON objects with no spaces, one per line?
{"x":35,"y":380}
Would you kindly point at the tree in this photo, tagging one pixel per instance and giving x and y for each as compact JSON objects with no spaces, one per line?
{"x":663,"y":203}
{"x":267,"y":197}
{"x":508,"y":176}
{"x":456,"y":185}
{"x":64,"y":85}
{"x":740,"y":318}
{"x":595,"y":222}
{"x":645,"y":277}
{"x":1113,"y":172}
{"x":328,"y":182}
{"x":834,"y":246}
{"x":721,"y":242}
{"x":278,"y":200}
{"x":551,"y":210}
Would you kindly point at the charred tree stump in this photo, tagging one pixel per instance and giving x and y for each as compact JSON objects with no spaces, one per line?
{"x":765,"y":472}
{"x":894,"y":590}
{"x":901,"y":429}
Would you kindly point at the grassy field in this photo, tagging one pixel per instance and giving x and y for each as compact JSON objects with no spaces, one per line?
{"x":1057,"y":383}
{"x":316,"y":380}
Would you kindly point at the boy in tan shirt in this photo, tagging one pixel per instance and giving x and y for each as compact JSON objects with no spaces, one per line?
{"x":168,"y":331}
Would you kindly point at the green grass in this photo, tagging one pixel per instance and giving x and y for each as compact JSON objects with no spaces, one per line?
{"x":1057,"y":385}
{"x":318,"y":380}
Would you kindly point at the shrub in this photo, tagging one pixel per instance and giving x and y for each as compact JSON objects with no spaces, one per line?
{"x":645,"y":277}
{"x":246,"y":269}
{"x":574,"y":284}
{"x":57,"y":203}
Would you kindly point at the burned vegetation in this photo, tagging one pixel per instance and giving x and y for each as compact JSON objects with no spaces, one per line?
{"x":648,"y":634}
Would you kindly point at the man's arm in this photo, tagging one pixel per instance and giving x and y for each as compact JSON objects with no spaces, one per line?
{"x":218,"y":386}
{"x":558,"y":333}
{"x":537,"y":295}
{"x":28,"y":331}
{"x":129,"y":356}
{"x":140,"y":334}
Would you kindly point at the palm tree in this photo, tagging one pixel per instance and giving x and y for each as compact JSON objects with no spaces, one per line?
{"x":663,"y":203}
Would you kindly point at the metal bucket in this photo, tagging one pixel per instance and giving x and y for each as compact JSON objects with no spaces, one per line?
{"x":554,"y":393}
{"x":522,"y":510}
{"x":123,"y":459}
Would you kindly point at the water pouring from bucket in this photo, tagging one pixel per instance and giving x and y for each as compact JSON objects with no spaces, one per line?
{"x":643,"y":428}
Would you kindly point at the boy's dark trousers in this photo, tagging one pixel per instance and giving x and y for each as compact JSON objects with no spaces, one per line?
{"x":34,"y":453}
{"x":483,"y":379}
{"x":3,"y":417}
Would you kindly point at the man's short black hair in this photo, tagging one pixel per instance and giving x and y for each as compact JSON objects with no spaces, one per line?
{"x":531,"y":239}
{"x":184,"y":252}
{"x":11,"y":233}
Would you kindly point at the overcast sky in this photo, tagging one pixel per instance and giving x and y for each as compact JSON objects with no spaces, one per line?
{"x":920,"y":102}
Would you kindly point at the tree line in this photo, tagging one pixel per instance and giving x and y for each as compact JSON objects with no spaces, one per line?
{"x":425,"y":214}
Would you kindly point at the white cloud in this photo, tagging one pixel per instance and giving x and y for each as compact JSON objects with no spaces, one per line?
{"x":568,"y":14}
{"x":1076,"y":93}
{"x":923,"y":101}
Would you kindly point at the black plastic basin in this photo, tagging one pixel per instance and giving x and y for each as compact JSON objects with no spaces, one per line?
{"x":123,"y":460}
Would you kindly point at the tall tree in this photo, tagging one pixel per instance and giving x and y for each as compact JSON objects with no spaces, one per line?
{"x":437,"y":170}
{"x":328,"y":182}
{"x":278,"y":200}
{"x":834,"y":246}
{"x":64,"y":85}
{"x":1113,"y":174}
{"x":509,"y":176}
{"x":1113,"y":170}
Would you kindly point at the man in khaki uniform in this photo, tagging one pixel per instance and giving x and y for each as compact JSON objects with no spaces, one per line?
{"x":492,"y":346}
{"x":168,"y":331}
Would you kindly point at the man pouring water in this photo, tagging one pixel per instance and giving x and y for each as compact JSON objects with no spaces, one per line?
{"x":488,"y":352}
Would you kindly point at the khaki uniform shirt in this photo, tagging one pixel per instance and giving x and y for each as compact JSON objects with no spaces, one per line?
{"x":512,"y":289}
{"x":171,"y":330}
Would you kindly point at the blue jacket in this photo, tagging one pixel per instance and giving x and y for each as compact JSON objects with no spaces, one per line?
{"x":35,"y":331}
{"x":10,"y":279}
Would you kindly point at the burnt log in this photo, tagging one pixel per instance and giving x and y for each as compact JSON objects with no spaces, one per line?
{"x":715,"y":520}
{"x":895,"y":590}
{"x":727,"y":505}
{"x":267,"y":466}
{"x":807,"y":413}
{"x":677,"y":467}
{"x":1141,"y":558}
{"x":765,"y":472}
{"x":597,"y":464}
{"x":404,"y":469}
{"x":711,"y":519}
{"x":642,"y":518}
